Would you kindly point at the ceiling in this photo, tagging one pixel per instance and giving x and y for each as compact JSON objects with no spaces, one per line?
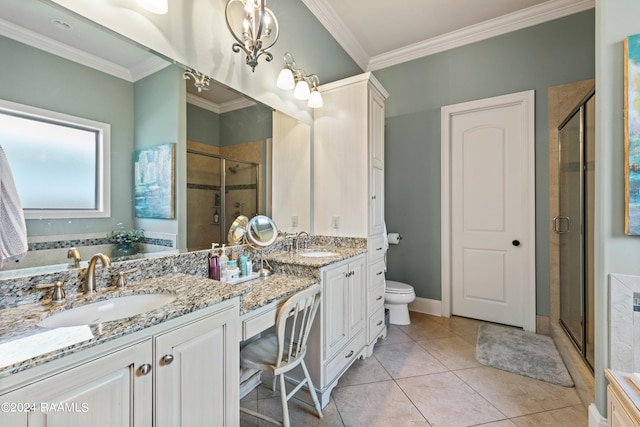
{"x":376,"y":34}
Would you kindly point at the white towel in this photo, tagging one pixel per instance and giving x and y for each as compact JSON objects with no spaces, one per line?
{"x":13,"y":230}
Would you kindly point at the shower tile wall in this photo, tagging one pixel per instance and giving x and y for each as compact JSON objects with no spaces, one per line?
{"x":624,"y":330}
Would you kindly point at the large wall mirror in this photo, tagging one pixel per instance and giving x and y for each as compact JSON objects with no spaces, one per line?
{"x":233,"y":154}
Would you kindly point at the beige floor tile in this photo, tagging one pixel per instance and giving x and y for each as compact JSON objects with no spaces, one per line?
{"x":426,"y":330}
{"x":503,"y":423}
{"x":516,"y":395}
{"x":462,"y":325}
{"x":445,"y":400}
{"x":454,"y":353}
{"x":407,"y":360}
{"x":364,"y":371}
{"x":574,"y":416}
{"x":394,"y":336}
{"x":377,"y":404}
{"x":300,"y":414}
{"x":247,"y":420}
{"x":471,"y":339}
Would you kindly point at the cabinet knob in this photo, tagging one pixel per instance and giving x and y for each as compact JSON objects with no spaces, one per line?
{"x":373,"y":197}
{"x":378,"y":273}
{"x":144,"y":369}
{"x":379,"y":298}
{"x":167,"y":359}
{"x":349,"y":355}
{"x":379,"y":323}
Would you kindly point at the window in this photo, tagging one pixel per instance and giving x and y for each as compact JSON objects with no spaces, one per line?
{"x":60,"y":163}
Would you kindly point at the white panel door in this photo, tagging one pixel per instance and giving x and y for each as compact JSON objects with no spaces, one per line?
{"x":490,"y":214}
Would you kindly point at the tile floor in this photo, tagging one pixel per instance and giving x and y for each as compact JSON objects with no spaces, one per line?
{"x":426,"y":374}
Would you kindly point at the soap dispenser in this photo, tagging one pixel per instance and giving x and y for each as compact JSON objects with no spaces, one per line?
{"x":223,"y":264}
{"x":214,"y":264}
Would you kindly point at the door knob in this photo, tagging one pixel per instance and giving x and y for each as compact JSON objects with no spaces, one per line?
{"x":144,"y":369}
{"x":516,"y":243}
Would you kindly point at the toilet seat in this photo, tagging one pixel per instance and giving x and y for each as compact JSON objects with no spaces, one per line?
{"x":394,"y":287}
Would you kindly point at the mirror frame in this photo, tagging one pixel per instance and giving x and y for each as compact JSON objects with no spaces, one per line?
{"x":253,"y":231}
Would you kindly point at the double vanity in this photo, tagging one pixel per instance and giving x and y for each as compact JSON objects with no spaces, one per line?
{"x":177,"y":361}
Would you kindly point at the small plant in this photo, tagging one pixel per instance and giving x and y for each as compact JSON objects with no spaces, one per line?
{"x":125,"y":237}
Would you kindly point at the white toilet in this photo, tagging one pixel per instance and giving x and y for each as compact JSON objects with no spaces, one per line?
{"x":397,"y":296}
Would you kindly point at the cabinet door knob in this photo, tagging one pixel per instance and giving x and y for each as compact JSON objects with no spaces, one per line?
{"x":378,"y":273}
{"x":379,"y":298}
{"x":167,"y":359}
{"x":373,"y":197}
{"x":144,"y":369}
{"x":349,"y":355}
{"x":379,"y":323}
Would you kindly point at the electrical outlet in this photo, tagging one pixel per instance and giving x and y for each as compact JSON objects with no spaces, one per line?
{"x":294,"y":220}
{"x":335,"y":221}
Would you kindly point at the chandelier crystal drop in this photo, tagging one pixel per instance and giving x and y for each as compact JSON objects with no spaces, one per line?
{"x":255,"y":28}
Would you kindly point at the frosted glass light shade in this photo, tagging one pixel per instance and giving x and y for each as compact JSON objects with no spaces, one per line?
{"x":159,"y":7}
{"x":285,"y":79}
{"x":302,"y":90}
{"x":315,"y":99}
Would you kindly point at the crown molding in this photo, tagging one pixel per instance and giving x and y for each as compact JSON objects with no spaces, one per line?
{"x":148,"y":67}
{"x":528,"y":17}
{"x":38,"y":41}
{"x":224,"y":107}
{"x":339,"y":30}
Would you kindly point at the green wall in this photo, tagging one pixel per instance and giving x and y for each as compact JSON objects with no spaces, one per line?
{"x":203,"y":125}
{"x":615,"y":252}
{"x":33,"y":77}
{"x":549,"y":54}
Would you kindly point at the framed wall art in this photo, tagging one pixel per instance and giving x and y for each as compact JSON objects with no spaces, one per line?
{"x":155,"y":182}
{"x":632,"y":134}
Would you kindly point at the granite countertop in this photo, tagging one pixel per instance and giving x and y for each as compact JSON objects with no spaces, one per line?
{"x":23,"y":344}
{"x":298,"y":258}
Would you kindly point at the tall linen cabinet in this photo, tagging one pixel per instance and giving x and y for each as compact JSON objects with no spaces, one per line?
{"x":348,"y":183}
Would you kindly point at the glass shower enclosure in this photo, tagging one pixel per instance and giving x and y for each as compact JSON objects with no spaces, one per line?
{"x":574,"y":225}
{"x":218,"y":190}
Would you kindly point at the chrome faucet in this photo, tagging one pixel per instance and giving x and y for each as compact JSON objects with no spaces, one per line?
{"x":75,"y":254}
{"x":90,"y":280}
{"x":304,"y":243}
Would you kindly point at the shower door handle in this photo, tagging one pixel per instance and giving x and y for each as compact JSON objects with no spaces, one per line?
{"x":557,"y":224}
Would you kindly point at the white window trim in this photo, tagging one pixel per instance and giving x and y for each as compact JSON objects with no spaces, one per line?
{"x":103,"y":196}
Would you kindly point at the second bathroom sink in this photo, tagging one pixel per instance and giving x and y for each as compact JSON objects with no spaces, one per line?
{"x":318,"y":254}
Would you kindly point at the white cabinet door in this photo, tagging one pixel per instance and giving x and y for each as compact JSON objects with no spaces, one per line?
{"x":197,"y":373}
{"x":357,"y":302}
{"x":376,"y":128}
{"x":335,"y":302}
{"x":109,"y":391}
{"x":376,"y":203}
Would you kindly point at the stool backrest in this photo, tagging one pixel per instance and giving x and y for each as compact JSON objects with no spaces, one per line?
{"x":293,"y":325}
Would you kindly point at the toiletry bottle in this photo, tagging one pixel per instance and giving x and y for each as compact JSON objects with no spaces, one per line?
{"x":223,"y":264}
{"x":243,"y":265}
{"x":214,"y":264}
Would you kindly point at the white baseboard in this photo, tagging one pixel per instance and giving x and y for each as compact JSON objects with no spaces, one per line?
{"x":427,"y":306}
{"x":595,"y":419}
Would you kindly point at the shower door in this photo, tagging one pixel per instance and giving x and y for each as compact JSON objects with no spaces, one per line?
{"x":574,"y":224}
{"x":204,"y":200}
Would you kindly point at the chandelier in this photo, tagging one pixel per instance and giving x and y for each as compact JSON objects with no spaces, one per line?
{"x":200,"y":81}
{"x":254,"y":27}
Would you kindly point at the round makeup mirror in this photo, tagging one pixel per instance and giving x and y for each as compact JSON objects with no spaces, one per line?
{"x":238,"y":230}
{"x":262,"y":231}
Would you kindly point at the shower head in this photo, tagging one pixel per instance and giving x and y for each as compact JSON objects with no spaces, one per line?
{"x":234,"y":169}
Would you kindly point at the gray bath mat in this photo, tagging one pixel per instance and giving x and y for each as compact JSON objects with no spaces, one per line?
{"x":521,"y":352}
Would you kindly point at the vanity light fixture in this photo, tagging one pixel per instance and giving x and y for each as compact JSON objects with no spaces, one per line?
{"x":159,"y":7}
{"x":200,"y":81}
{"x":305,"y":86}
{"x":255,"y":28}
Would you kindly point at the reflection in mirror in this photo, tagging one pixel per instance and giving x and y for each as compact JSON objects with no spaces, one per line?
{"x":238,"y":230}
{"x":100,"y":76}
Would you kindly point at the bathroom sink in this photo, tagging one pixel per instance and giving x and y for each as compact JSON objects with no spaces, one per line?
{"x":107,"y":310}
{"x":318,"y":254}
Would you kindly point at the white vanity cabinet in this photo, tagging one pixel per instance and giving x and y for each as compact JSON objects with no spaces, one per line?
{"x":349,"y":179}
{"x":113,"y":390}
{"x":193,"y":380}
{"x":196,"y":373}
{"x":339,"y":332}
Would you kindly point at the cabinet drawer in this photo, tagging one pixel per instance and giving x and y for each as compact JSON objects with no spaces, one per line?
{"x":258,"y":323}
{"x":344,"y":358}
{"x":376,"y":275}
{"x":376,"y":324}
{"x":376,"y":299}
{"x":375,"y":248}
